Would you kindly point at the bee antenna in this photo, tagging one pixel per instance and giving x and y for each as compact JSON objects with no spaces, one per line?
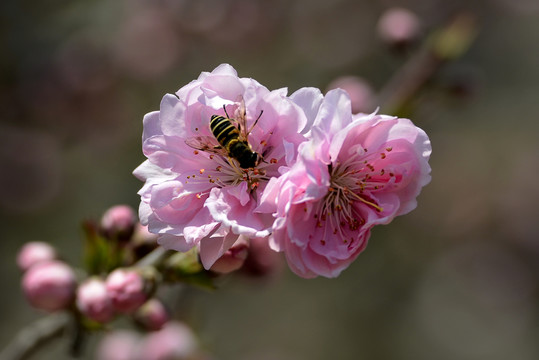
{"x":252,"y":126}
{"x":224,"y":108}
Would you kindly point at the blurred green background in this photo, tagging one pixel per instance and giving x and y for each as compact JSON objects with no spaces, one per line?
{"x":455,"y":279}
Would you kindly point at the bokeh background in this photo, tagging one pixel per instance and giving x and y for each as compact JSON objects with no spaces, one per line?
{"x":455,"y":279}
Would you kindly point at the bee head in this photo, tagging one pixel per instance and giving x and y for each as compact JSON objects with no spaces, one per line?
{"x":250,"y":161}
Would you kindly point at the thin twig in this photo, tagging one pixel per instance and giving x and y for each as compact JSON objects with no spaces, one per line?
{"x":36,"y":335}
{"x":446,"y":44}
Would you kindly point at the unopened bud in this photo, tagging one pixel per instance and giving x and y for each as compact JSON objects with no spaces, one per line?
{"x":233,"y":258}
{"x":49,"y":285}
{"x":119,"y":222}
{"x":119,"y":345}
{"x":33,"y":253}
{"x":152,"y":315}
{"x":174,"y":341}
{"x":143,"y":241}
{"x":127,"y":289}
{"x":93,"y":300}
{"x":360,"y":92}
{"x":398,"y":26}
{"x":262,"y":260}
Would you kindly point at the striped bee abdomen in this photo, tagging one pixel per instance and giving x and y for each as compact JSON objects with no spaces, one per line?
{"x":228,"y":137}
{"x":223,"y":130}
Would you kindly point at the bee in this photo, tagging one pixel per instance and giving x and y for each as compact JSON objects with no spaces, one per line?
{"x":230,"y":139}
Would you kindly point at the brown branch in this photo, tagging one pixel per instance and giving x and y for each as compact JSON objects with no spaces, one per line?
{"x":36,"y":335}
{"x":448,"y":43}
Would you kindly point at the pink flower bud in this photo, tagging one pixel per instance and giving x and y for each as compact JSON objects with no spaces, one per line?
{"x":94,"y":301}
{"x":360,"y":92}
{"x":119,"y":221}
{"x":127,"y":289}
{"x":49,"y":285}
{"x":152,"y":315}
{"x":34,"y":252}
{"x":262,"y":260}
{"x":174,"y":341}
{"x":143,"y":241}
{"x":398,"y":26}
{"x":119,"y":345}
{"x":233,"y":258}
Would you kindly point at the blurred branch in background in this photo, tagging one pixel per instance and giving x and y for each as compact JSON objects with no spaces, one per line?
{"x":32,"y":338}
{"x":443,"y":45}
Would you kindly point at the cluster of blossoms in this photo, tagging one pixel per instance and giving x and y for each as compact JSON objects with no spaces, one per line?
{"x":114,"y":281}
{"x":175,"y":340}
{"x":51,"y":284}
{"x":326,"y":176}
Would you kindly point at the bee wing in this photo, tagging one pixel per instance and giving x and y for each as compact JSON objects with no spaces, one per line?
{"x":241,"y":119}
{"x":206,"y":143}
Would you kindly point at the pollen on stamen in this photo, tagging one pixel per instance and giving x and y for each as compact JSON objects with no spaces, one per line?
{"x":195,"y":152}
{"x":211,"y":156}
{"x":273,"y":161}
{"x":382,"y":172}
{"x":218,"y":168}
{"x":319,"y":224}
{"x":201,"y":171}
{"x":323,"y":242}
{"x":263,"y":143}
{"x":388,"y":149}
{"x":365,"y":149}
{"x":391,"y":174}
{"x":383,"y":155}
{"x":198,"y":196}
{"x":196,"y":129}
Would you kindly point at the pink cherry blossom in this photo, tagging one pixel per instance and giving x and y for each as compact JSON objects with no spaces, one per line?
{"x":196,"y":197}
{"x":356,"y":171}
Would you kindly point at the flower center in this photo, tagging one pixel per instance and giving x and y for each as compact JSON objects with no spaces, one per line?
{"x":352,"y":181}
{"x":227,"y":172}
